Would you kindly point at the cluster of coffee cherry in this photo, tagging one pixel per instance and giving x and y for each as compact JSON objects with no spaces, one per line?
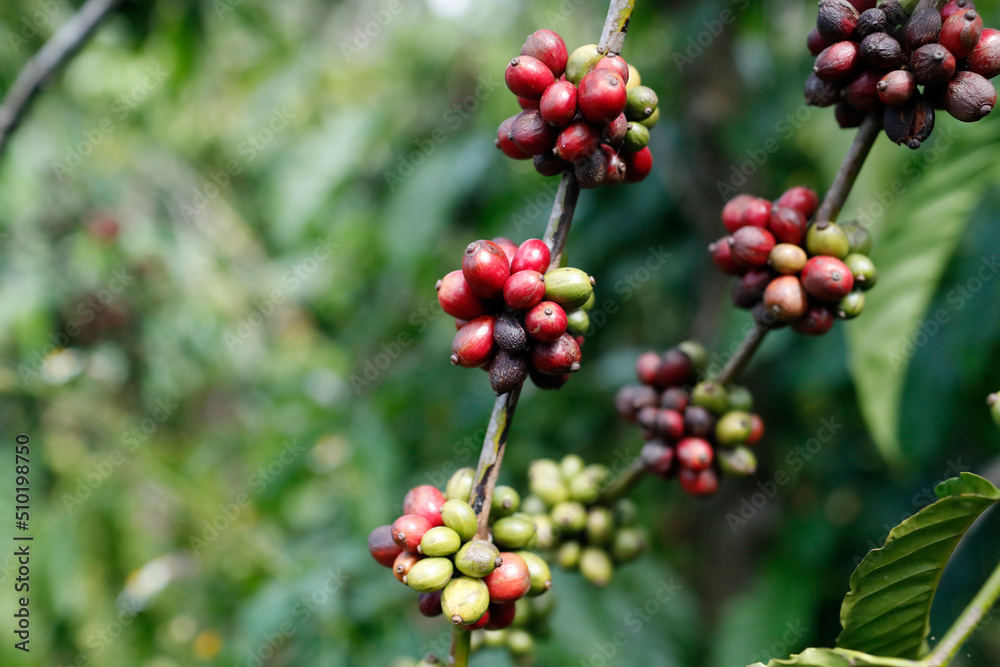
{"x":585,"y":112}
{"x":691,"y":432}
{"x":870,"y":57}
{"x":433,"y":549}
{"x":571,"y":522}
{"x":792,"y":272}
{"x":515,"y":317}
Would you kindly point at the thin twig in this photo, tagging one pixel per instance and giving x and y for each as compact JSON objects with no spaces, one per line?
{"x":491,"y":457}
{"x":623,"y":482}
{"x":967,"y":623}
{"x":615,"y":26}
{"x":53,"y":55}
{"x":461,"y":647}
{"x":850,"y":168}
{"x":562,"y":217}
{"x":738,"y":362}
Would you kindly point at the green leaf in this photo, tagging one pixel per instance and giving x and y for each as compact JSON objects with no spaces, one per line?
{"x":838,"y":657}
{"x":926,"y":210}
{"x":887,"y":611}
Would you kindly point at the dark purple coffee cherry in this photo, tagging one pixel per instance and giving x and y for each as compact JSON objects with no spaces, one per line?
{"x":816,"y":42}
{"x":837,"y":20}
{"x":838,"y":62}
{"x":872,"y":21}
{"x":698,"y":421}
{"x":507,"y":372}
{"x":969,"y":97}
{"x":548,"y":164}
{"x":631,"y":399}
{"x":896,"y":87}
{"x":923,"y":27}
{"x":847,"y":116}
{"x":862,"y":91}
{"x":909,"y":124}
{"x":821,"y":93}
{"x":881,"y":50}
{"x":531,"y":134}
{"x":932,"y":65}
{"x":590,"y":171}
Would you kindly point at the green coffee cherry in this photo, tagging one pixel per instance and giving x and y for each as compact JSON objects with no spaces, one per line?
{"x":626,"y":512}
{"x":581,"y":62}
{"x":477,"y":558}
{"x":541,"y":575}
{"x":733,"y":428}
{"x":740,"y":398}
{"x":696,"y":353}
{"x":586,"y":485}
{"x":430,"y":661}
{"x":569,"y":554}
{"x":495,"y":638}
{"x":600,"y":526}
{"x":522,"y":612}
{"x":711,"y":396}
{"x":440,"y":541}
{"x":506,"y":501}
{"x":577,"y":322}
{"x":459,"y":486}
{"x":546,"y":532}
{"x":465,"y":600}
{"x":738,"y":462}
{"x":545,"y":480}
{"x":851,"y":305}
{"x":570,"y":465}
{"x":628,"y":544}
{"x":636,"y":138}
{"x":429,"y":574}
{"x":596,"y":566}
{"x":590,"y":303}
{"x":568,"y":287}
{"x":534,"y":505}
{"x":993,"y":400}
{"x":513,"y":532}
{"x":863,"y":268}
{"x":570,"y":516}
{"x":460,"y":517}
{"x":859,"y":238}
{"x":652,"y":120}
{"x":641,"y":103}
{"x":520,"y":644}
{"x":828,"y":238}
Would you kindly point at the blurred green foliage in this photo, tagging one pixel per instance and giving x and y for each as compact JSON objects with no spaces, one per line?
{"x":220,"y":229}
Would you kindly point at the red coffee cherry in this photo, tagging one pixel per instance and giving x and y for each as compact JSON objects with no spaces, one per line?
{"x":838,"y":62}
{"x":486,"y":268}
{"x":750,"y":288}
{"x":638,"y":165}
{"x":501,"y":615}
{"x":617,"y":169}
{"x":985,"y":58}
{"x":847,"y":116}
{"x":827,"y":278}
{"x":401,"y":566}
{"x":531,"y":134}
{"x":932,"y":65}
{"x":473,"y":345}
{"x":614,"y":63}
{"x":546,"y":322}
{"x":559,"y":357}
{"x":695,"y":453}
{"x":525,"y":103}
{"x":457,"y":298}
{"x":532,"y":255}
{"x":816,"y":42}
{"x":862,"y":91}
{"x":786,"y":298}
{"x":382,"y":546}
{"x":969,"y":97}
{"x":558,"y":104}
{"x":646,"y":367}
{"x":732,"y":212}
{"x":408,"y":530}
{"x":550,"y":165}
{"x":548,"y":47}
{"x":676,"y":368}
{"x":837,"y":20}
{"x":723,"y":258}
{"x":509,"y":582}
{"x":896,"y":87}
{"x":802,"y":199}
{"x":787,"y":224}
{"x":670,"y":423}
{"x":601,"y":96}
{"x":863,"y":5}
{"x":524,"y":289}
{"x":752,"y":245}
{"x":508,"y":246}
{"x":528,"y":77}
{"x":547,"y":382}
{"x":658,"y":457}
{"x":505,"y":144}
{"x":756,"y":430}
{"x":614,"y":132}
{"x":698,"y":483}
{"x":577,"y":142}
{"x":955,"y":6}
{"x":757,"y":213}
{"x":426,"y":501}
{"x":961,"y":32}
{"x":816,"y":322}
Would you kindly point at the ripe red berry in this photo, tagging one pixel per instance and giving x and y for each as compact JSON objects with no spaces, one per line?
{"x":932,"y":65}
{"x":614,"y":132}
{"x":756,"y":430}
{"x":508,"y":246}
{"x":614,"y":64}
{"x":638,"y":165}
{"x":546,"y":322}
{"x":408,"y":530}
{"x":646,"y":367}
{"x":528,"y":77}
{"x":532,"y":255}
{"x":816,"y":322}
{"x":757,"y":213}
{"x":676,"y":368}
{"x":382,"y":546}
{"x":816,"y":42}
{"x":601,"y":96}
{"x":837,"y":19}
{"x":802,"y":199}
{"x":616,"y":171}
{"x":658,"y":457}
{"x":525,"y":103}
{"x":961,"y":32}
{"x":457,"y":298}
{"x":863,"y":5}
{"x":985,"y":58}
{"x":547,"y":382}
{"x":698,"y":483}
{"x":732,"y":212}
{"x":486,"y":268}
{"x":531,"y":134}
{"x":787,"y":224}
{"x":473,"y":345}
{"x":426,"y":501}
{"x":501,"y":615}
{"x":786,"y":298}
{"x":559,"y":357}
{"x":847,"y":116}
{"x":548,"y":47}
{"x":524,"y":290}
{"x":577,"y":142}
{"x":827,"y":278}
{"x":723,"y":258}
{"x":695,"y":453}
{"x":670,"y":423}
{"x":896,"y":87}
{"x":509,"y":582}
{"x":969,"y":97}
{"x":751,"y":246}
{"x":953,"y":6}
{"x":838,"y":62}
{"x":558,"y":104}
{"x":505,"y":144}
{"x":862,"y":91}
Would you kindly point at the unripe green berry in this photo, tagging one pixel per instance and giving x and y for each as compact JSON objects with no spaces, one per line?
{"x":740,"y":398}
{"x":628,"y":544}
{"x":596,"y":566}
{"x":570,"y":465}
{"x":465,"y":600}
{"x":993,"y":400}
{"x":652,"y":120}
{"x":542,"y":606}
{"x":581,"y":62}
{"x":590,"y":303}
{"x":523,"y":612}
{"x":696,"y":353}
{"x":577,"y":322}
{"x":733,"y":428}
{"x":851,"y":305}
{"x":506,"y":501}
{"x":827,"y":238}
{"x":600,"y":526}
{"x":711,"y":396}
{"x":636,"y":138}
{"x":460,"y":517}
{"x":429,"y":574}
{"x":863,"y":269}
{"x":440,"y":541}
{"x":570,"y":516}
{"x":569,"y":554}
{"x":626,"y":512}
{"x":477,"y":558}
{"x":541,"y":575}
{"x":549,"y":486}
{"x":737,"y":462}
{"x":520,"y":644}
{"x":586,"y":485}
{"x":513,"y":532}
{"x":640,"y":103}
{"x":546,"y":532}
{"x":534,"y":506}
{"x":459,"y":485}
{"x":569,"y":287}
{"x":495,"y":638}
{"x":858,"y":237}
